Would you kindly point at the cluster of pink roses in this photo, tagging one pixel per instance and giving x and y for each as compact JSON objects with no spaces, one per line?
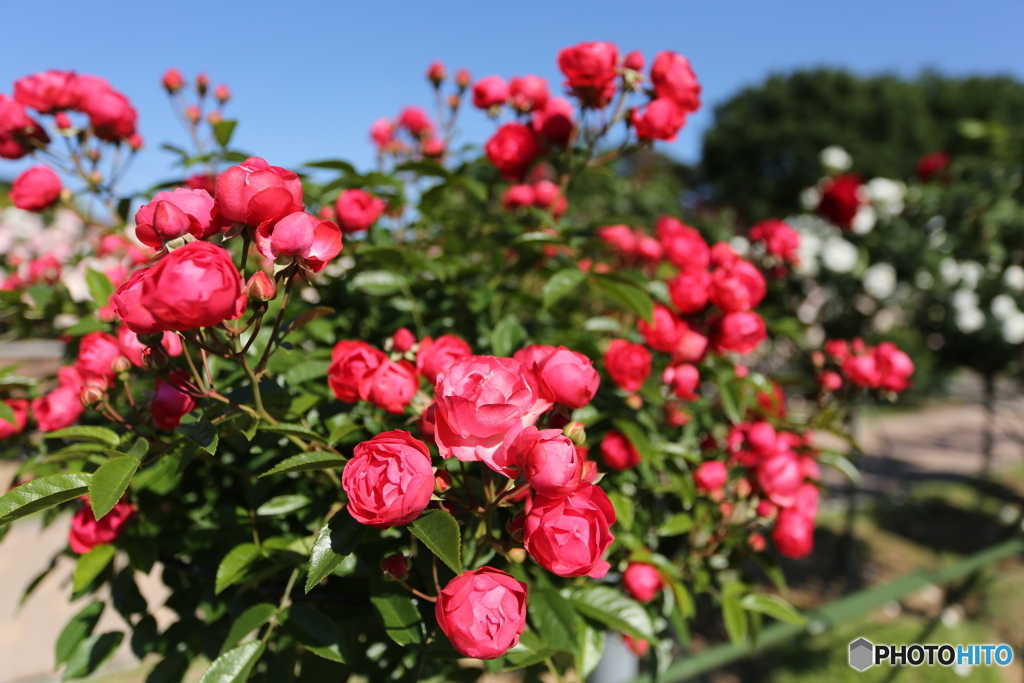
{"x":780,"y":242}
{"x":870,"y":367}
{"x":541,"y":193}
{"x":420,"y":133}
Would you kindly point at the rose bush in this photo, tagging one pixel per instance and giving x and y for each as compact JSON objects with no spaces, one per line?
{"x":481,"y":422}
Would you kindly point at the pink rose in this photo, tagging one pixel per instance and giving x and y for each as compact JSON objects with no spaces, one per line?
{"x":49,"y":91}
{"x":779,"y":239}
{"x":751,"y":442}
{"x":58,"y":409}
{"x":490,"y":91}
{"x":132,"y":348}
{"x":806,"y":500}
{"x":739,"y":332}
{"x":528,"y":93}
{"x":665,"y":330}
{"x":483,"y":402}
{"x":628,"y":364}
{"x":591,"y":70}
{"x":172,"y":80}
{"x":435,"y":356}
{"x":254,"y":192}
{"x":642,"y":581}
{"x":96,"y":355}
{"x":390,"y":386}
{"x":683,"y":380}
{"x":403,"y":340}
{"x":173,"y":214}
{"x":127,"y":304}
{"x":737,"y":287}
{"x":416,"y":121}
{"x":35,"y":189}
{"x":389,"y":480}
{"x":351,"y":361}
{"x":554,"y":121}
{"x":569,"y":536}
{"x":483,"y":612}
{"x":661,"y":120}
{"x":689,"y":291}
{"x":87,"y":532}
{"x":862,"y":370}
{"x":793,"y":534}
{"x":673,"y":78}
{"x":684,"y":246}
{"x":512,"y":149}
{"x":548,"y":460}
{"x":19,"y":134}
{"x":565,"y":376}
{"x":711,"y":475}
{"x":780,"y":476}
{"x":649,"y":249}
{"x":111,"y":115}
{"x":19,"y":407}
{"x":894,"y":367}
{"x":169,"y":405}
{"x":311,"y":242}
{"x":382,"y":132}
{"x":620,"y":238}
{"x":517,"y":196}
{"x":618,"y":452}
{"x":358,"y":210}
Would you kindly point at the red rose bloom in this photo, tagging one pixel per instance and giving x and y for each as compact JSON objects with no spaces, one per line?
{"x":710,"y":475}
{"x":254,"y":192}
{"x":779,"y":239}
{"x":739,"y":332}
{"x":351,"y":361}
{"x":664,"y":331}
{"x":928,"y":166}
{"x":738,"y":286}
{"x":683,"y":380}
{"x":684,"y":246}
{"x":564,"y":376}
{"x":512,"y":149}
{"x":389,"y":480}
{"x":689,"y":291}
{"x":642,"y":581}
{"x":661,"y":120}
{"x":36,"y":189}
{"x":19,"y":134}
{"x":793,"y":534}
{"x":840,"y":200}
{"x":169,"y":405}
{"x":554,"y":121}
{"x":628,"y":364}
{"x":548,"y":460}
{"x":435,"y":356}
{"x":173,"y":214}
{"x":357,"y":210}
{"x":673,"y":78}
{"x":528,"y":93}
{"x":390,"y":385}
{"x":569,"y":536}
{"x":590,"y":72}
{"x":48,"y":92}
{"x":483,"y":612}
{"x":490,"y":91}
{"x":96,"y":355}
{"x":87,"y":532}
{"x":618,"y":452}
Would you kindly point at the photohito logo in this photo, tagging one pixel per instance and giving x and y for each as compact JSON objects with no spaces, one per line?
{"x":864,"y":654}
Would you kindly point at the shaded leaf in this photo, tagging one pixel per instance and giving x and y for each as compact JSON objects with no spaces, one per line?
{"x":109,"y":483}
{"x":624,"y":510}
{"x":282,"y":505}
{"x":304,"y":462}
{"x":234,"y":666}
{"x":440,"y":533}
{"x":627,"y":294}
{"x":554,"y":618}
{"x":338,"y":538}
{"x":91,"y":654}
{"x":202,"y":433}
{"x":91,"y":565}
{"x":232,"y":568}
{"x":40,"y":494}
{"x":79,"y":628}
{"x":773,"y":606}
{"x":247,"y":622}
{"x":293,"y":430}
{"x":561,"y":283}
{"x":675,"y":525}
{"x":86,"y":433}
{"x":507,"y":335}
{"x":735,"y":619}
{"x":402,"y":621}
{"x":316,"y":631}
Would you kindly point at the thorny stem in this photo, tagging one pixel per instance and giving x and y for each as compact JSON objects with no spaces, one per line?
{"x":417,"y":593}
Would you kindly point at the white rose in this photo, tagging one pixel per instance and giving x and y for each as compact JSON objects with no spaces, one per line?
{"x":835,"y":158}
{"x":810,"y":198}
{"x":1013,"y":277}
{"x":970,"y":320}
{"x":887,"y":196}
{"x":1013,"y":329}
{"x":880,"y":280}
{"x":864,"y":220}
{"x":964,"y":299}
{"x":1004,"y":307}
{"x":838,"y":255}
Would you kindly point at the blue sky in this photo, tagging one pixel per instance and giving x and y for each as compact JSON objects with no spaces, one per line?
{"x":309,"y":77}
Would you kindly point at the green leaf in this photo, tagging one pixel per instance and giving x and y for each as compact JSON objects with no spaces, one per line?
{"x":610,"y":607}
{"x":109,"y":483}
{"x":247,"y":622}
{"x":85,"y":433}
{"x":282,"y":505}
{"x":306,"y":317}
{"x":507,"y":335}
{"x":40,"y":494}
{"x":530,"y":650}
{"x":304,"y":462}
{"x":424,"y":168}
{"x":91,"y":565}
{"x":344,"y":428}
{"x":591,"y":649}
{"x":234,"y":666}
{"x":676,"y":525}
{"x":6,"y":414}
{"x":378,"y":282}
{"x":683,"y":599}
{"x":554,"y":618}
{"x":232,"y":568}
{"x":294,"y":430}
{"x":735,"y":619}
{"x":316,"y":631}
{"x":627,"y":294}
{"x":307,"y":370}
{"x":99,"y":286}
{"x":338,"y":538}
{"x":170,"y":669}
{"x":729,"y":393}
{"x":335,"y":165}
{"x":223,"y":130}
{"x":402,"y":621}
{"x":79,"y":628}
{"x":624,"y":509}
{"x":773,"y":606}
{"x":841,"y":463}
{"x":91,"y":654}
{"x":561,"y":283}
{"x":440,"y":533}
{"x":202,"y":433}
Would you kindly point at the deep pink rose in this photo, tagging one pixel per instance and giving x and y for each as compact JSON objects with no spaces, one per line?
{"x":19,"y":134}
{"x":172,"y":214}
{"x":382,"y":132}
{"x":590,"y":71}
{"x":351,"y":361}
{"x":311,"y":242}
{"x":389,"y":480}
{"x":662,"y":119}
{"x":87,"y":532}
{"x":35,"y":189}
{"x":528,"y":93}
{"x":565,"y":376}
{"x":416,"y":121}
{"x":737,"y":287}
{"x":437,"y":355}
{"x":390,"y":386}
{"x":806,"y":500}
{"x":554,"y":121}
{"x":518,"y":196}
{"x":490,"y":91}
{"x":665,"y":330}
{"x":49,"y":91}
{"x":195,"y":286}
{"x":483,"y":612}
{"x":483,"y":402}
{"x":793,"y":534}
{"x":358,"y":210}
{"x":127,"y":304}
{"x":779,"y":239}
{"x":548,"y":460}
{"x":780,"y":476}
{"x":254,"y":192}
{"x":512,"y":149}
{"x":689,"y":291}
{"x":673,"y":78}
{"x":132,"y":348}
{"x":19,"y":407}
{"x":751,"y":442}
{"x":618,"y":452}
{"x":569,"y":536}
{"x":711,"y":475}
{"x":110,"y":113}
{"x":96,"y":355}
{"x":58,"y":409}
{"x":684,"y":246}
{"x":894,"y":367}
{"x":739,"y":332}
{"x":683,"y":380}
{"x":649,"y":249}
{"x":169,"y":405}
{"x":862,"y":370}
{"x":403,"y":339}
{"x":642,"y":581}
{"x":172,"y":80}
{"x":620,"y":238}
{"x":628,"y":364}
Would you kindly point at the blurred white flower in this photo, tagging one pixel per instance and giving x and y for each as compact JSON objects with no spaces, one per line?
{"x":964,"y":299}
{"x":838,"y":255}
{"x":887,"y":196}
{"x":949,"y":271}
{"x":923,"y":279}
{"x":1013,"y":277}
{"x":1013,"y":329}
{"x":864,"y":221}
{"x":1004,"y":307}
{"x":810,"y":198}
{"x":970,"y":320}
{"x":880,"y":280}
{"x":810,"y":247}
{"x":836,"y":158}
{"x":971,"y":273}
{"x":741,"y":245}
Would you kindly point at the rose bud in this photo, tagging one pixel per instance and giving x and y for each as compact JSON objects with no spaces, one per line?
{"x":517,"y":555}
{"x":432,"y":148}
{"x":202,"y":83}
{"x":744,"y":488}
{"x":546,"y":193}
{"x":710,"y":475}
{"x":514,"y":527}
{"x":726,"y":509}
{"x":435,"y":356}
{"x":766,"y":509}
{"x":222,"y":93}
{"x":483,"y":612}
{"x":683,"y":379}
{"x":173,"y":214}
{"x":662,"y":119}
{"x":462,"y":79}
{"x":528,"y":93}
{"x":193,"y":113}
{"x":173,"y":81}
{"x":756,"y":542}
{"x":390,"y":386}
{"x":169,"y":405}
{"x":62,"y":121}
{"x":436,"y":74}
{"x":350,"y":362}
{"x":403,"y":340}
{"x":634,"y":60}
{"x":442,"y":481}
{"x":793,"y":534}
{"x":453,"y":102}
{"x":512,"y":149}
{"x":358,"y":210}
{"x":389,"y":480}
{"x":91,"y":394}
{"x":741,"y":371}
{"x":254,"y":192}
{"x":58,"y":409}
{"x":36,"y":189}
{"x":565,"y":376}
{"x":121,"y":364}
{"x":214,"y":117}
{"x":676,"y":415}
{"x":637,"y":646}
{"x":628,"y":364}
{"x":395,"y":567}
{"x":135,"y":142}
{"x":642,"y":581}
{"x":569,"y":536}
{"x":618,"y":452}
{"x":575,"y":432}
{"x":261,"y":287}
{"x":518,"y":196}
{"x":87,"y":532}
{"x":548,"y":460}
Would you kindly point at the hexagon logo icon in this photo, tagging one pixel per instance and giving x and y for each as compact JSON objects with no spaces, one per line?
{"x":861,"y":654}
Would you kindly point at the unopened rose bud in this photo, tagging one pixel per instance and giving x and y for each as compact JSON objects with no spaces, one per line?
{"x":742,"y":371}
{"x":634,"y":60}
{"x":756,"y":542}
{"x":94,"y":154}
{"x":396,"y":567}
{"x":436,"y":74}
{"x":173,"y":81}
{"x":726,"y":509}
{"x":462,"y":79}
{"x":214,"y":117}
{"x":62,"y":120}
{"x":442,"y":481}
{"x":193,"y":113}
{"x":514,"y":527}
{"x":818,"y":358}
{"x":121,"y":364}
{"x":453,"y":101}
{"x":635,"y":401}
{"x":403,"y":340}
{"x":766,"y":509}
{"x":91,"y":395}
{"x":743,"y":488}
{"x":202,"y":84}
{"x":326,"y":212}
{"x":66,"y":195}
{"x":222,"y":93}
{"x":135,"y":142}
{"x":576,"y":433}
{"x":95,"y":177}
{"x":516,"y":555}
{"x":153,"y":358}
{"x":261,"y":287}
